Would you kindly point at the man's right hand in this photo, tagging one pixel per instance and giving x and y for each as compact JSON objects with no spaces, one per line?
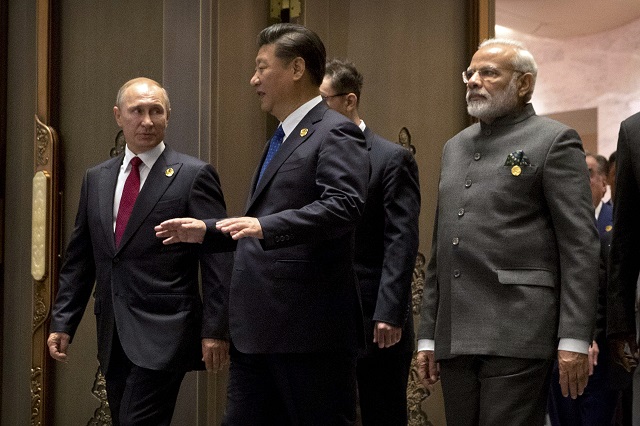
{"x":628,"y":360}
{"x":427,"y":368}
{"x":181,"y":230}
{"x":58,"y":344}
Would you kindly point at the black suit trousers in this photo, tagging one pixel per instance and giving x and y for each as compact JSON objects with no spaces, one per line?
{"x":139,"y":396}
{"x":291,"y":389}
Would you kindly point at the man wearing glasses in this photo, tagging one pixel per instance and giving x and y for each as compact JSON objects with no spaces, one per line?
{"x":386,"y":246}
{"x":513,"y":277}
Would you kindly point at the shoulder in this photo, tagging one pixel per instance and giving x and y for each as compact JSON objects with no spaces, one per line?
{"x":632,"y":121}
{"x":173,"y":156}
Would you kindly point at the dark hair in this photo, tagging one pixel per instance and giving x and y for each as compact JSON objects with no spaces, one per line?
{"x":612,"y":158}
{"x":292,"y":41}
{"x":603,"y":164}
{"x":344,"y":77}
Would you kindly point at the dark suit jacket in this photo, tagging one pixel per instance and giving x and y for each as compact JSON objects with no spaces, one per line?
{"x":514,"y":263}
{"x":605,"y":218}
{"x":624,"y":263}
{"x":295,"y":291}
{"x":387,"y":240}
{"x":149,"y":291}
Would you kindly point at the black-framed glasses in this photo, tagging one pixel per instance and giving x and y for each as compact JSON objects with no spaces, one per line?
{"x":324,"y":98}
{"x":485,"y":74}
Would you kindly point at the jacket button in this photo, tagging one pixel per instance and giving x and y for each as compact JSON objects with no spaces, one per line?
{"x":477,"y":156}
{"x":456,"y":241}
{"x":467,"y":183}
{"x":456,"y":273}
{"x":460,"y":212}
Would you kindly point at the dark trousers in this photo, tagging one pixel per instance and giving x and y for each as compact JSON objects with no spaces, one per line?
{"x":485,"y":390}
{"x":291,"y":389}
{"x":595,"y":407}
{"x":138,"y":396}
{"x":382,"y":387}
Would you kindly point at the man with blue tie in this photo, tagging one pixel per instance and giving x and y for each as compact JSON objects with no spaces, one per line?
{"x":295,"y":318}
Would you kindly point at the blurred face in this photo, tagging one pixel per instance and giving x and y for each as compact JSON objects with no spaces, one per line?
{"x":335,"y":101}
{"x":492,"y":89}
{"x":142,"y":116}
{"x":597,"y":181}
{"x":273,"y":82}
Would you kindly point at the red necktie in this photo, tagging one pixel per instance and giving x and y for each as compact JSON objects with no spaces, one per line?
{"x":128,"y":199}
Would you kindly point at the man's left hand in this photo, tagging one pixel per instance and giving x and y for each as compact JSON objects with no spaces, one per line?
{"x":386,"y":335}
{"x":215,"y":354}
{"x":574,"y":372}
{"x":240,"y":227}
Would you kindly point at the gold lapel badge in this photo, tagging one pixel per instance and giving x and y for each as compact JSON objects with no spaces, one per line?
{"x":608,"y":228}
{"x":516,"y":170}
{"x":304,"y":132}
{"x":169,"y":172}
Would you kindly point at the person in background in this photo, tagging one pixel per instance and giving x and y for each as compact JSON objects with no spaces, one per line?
{"x":153,"y":326}
{"x":512,"y":281}
{"x":597,"y":404}
{"x":611,"y":177}
{"x":385,"y":252}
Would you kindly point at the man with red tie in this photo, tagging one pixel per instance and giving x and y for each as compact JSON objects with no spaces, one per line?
{"x":152,"y":324}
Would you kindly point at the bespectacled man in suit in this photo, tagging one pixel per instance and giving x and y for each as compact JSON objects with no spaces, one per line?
{"x":153,"y":326}
{"x":385,"y":253}
{"x":513,"y":278}
{"x":295,"y":318}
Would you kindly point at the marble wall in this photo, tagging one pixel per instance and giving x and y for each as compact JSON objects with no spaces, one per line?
{"x":597,"y":71}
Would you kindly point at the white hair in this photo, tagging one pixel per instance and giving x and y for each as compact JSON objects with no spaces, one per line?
{"x":522,"y":61}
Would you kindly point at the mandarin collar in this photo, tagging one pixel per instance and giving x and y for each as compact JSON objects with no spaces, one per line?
{"x":510,"y":119}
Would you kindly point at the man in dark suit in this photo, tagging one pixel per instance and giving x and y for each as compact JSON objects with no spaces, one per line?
{"x":151,"y":323}
{"x":295,"y":317}
{"x":625,"y":251}
{"x":597,"y":404}
{"x":513,"y":276}
{"x":385,"y":254}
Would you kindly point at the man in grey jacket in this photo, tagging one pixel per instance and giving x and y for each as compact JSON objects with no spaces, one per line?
{"x":513,"y":276}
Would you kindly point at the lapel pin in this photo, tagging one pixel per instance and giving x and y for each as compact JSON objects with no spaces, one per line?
{"x":169,"y":172}
{"x":608,"y":228}
{"x":304,"y":132}
{"x":516,"y":170}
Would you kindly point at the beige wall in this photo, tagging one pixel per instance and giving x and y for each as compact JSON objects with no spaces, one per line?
{"x":410,"y":53}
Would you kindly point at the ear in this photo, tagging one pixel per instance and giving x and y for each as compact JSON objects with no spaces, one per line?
{"x":298,"y":66}
{"x":525,"y":82}
{"x":352,"y":101}
{"x":117,"y":114}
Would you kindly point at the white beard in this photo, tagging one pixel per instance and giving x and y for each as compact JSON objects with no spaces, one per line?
{"x":493,"y":106}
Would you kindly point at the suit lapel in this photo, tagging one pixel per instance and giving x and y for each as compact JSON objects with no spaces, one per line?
{"x":107,"y":188}
{"x":293,"y":141}
{"x":155,"y":185}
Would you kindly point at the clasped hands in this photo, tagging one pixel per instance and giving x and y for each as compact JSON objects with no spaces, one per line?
{"x":190,"y":230}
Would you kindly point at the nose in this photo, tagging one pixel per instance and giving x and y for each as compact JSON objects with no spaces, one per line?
{"x":475,"y":80}
{"x":146,"y":119}
{"x":254,"y":81}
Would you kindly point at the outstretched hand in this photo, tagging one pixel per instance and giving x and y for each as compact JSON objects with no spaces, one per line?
{"x":181,"y":230}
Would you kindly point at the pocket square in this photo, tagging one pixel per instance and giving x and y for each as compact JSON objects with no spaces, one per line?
{"x":517,"y":158}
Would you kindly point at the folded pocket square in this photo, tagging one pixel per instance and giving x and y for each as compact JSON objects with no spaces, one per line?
{"x":517,"y":158}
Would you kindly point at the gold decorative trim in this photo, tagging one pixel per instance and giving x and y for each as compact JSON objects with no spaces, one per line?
{"x":102,"y":414}
{"x":39,"y":228}
{"x":43,"y":140}
{"x":118,"y":145}
{"x":36,"y":396}
{"x":417,"y":284}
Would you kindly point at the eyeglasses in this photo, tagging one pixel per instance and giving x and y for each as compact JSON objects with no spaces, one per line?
{"x":486,"y":74}
{"x":324,"y":98}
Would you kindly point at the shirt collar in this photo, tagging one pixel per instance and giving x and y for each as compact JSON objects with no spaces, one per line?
{"x":296,"y":116}
{"x":598,"y":208}
{"x":148,"y":158}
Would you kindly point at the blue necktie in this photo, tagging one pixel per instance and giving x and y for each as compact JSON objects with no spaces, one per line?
{"x":274,"y":144}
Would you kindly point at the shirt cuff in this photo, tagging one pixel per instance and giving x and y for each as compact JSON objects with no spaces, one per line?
{"x":426,"y":345}
{"x":573,"y":345}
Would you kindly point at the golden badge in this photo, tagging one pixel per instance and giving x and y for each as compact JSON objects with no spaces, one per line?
{"x":608,"y":228}
{"x":516,"y":170}
{"x":304,"y":132}
{"x":169,"y":172}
